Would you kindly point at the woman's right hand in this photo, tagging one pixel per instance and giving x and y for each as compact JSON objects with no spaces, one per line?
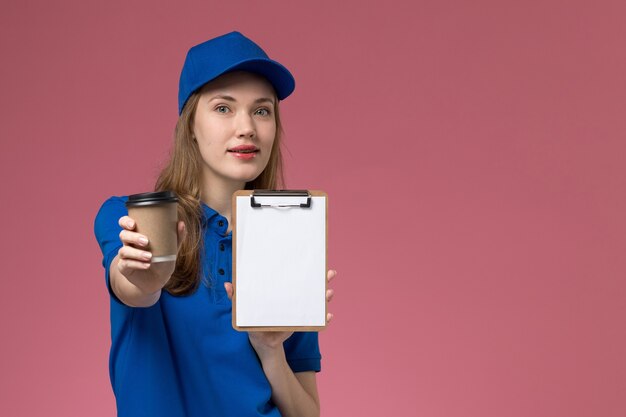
{"x":134,"y":258}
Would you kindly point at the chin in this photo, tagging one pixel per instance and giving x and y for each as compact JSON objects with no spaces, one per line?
{"x":246,"y":176}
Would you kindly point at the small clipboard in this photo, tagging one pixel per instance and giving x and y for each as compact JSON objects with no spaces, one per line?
{"x":279,"y":260}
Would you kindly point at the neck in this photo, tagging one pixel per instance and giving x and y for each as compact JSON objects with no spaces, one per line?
{"x":217,"y":194}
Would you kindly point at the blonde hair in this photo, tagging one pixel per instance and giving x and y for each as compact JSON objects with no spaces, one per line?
{"x":183,"y":175}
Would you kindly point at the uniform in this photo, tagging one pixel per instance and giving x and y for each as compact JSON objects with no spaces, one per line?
{"x":181,"y":357}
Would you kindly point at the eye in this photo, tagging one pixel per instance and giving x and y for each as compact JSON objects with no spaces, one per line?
{"x":263,"y":112}
{"x":222,"y":109}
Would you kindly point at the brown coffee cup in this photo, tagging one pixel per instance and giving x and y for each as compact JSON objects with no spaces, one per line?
{"x":156,"y":217}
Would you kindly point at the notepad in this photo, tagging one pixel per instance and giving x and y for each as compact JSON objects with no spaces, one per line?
{"x":279,"y":260}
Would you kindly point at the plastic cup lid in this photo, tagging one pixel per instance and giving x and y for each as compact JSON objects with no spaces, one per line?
{"x":151,"y":198}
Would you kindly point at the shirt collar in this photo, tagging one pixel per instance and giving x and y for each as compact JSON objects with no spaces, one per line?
{"x":212,"y":220}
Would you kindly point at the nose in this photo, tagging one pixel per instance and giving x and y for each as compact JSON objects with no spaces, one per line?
{"x":245,"y":126}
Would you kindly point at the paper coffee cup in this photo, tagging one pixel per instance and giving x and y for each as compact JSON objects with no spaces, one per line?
{"x":156,"y":217}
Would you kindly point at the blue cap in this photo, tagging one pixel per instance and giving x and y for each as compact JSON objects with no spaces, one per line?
{"x":230,"y":52}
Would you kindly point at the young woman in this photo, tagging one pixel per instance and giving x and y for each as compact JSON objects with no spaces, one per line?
{"x":174,"y":351}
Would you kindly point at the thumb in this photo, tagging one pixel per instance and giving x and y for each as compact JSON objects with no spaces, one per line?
{"x":229,"y":290}
{"x":182,"y":233}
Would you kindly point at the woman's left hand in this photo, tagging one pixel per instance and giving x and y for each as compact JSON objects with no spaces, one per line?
{"x":266,"y":342}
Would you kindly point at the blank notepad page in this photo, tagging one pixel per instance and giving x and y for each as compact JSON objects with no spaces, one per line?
{"x":280,"y":263}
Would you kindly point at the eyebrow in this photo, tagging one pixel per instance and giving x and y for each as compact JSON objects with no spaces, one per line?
{"x":229,"y":98}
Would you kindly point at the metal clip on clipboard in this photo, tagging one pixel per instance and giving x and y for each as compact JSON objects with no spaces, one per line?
{"x":274,"y":195}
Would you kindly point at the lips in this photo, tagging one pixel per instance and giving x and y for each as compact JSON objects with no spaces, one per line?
{"x":244,"y":149}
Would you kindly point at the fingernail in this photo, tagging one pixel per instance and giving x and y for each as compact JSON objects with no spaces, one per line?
{"x":130,"y":224}
{"x":143,"y":240}
{"x":146,"y":255}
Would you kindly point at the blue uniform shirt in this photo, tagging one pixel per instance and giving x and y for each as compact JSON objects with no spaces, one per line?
{"x":181,"y":357}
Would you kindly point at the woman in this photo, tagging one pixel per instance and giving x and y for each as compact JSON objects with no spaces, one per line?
{"x":174,"y":351}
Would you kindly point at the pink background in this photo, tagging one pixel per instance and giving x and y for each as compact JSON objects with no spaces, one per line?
{"x":475,"y":158}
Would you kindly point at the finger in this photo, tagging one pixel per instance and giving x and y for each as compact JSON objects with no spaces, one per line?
{"x":229,"y":290}
{"x":126,"y":265}
{"x":331,"y":274}
{"x":126,"y":222}
{"x":329,"y":317}
{"x":329,"y":294}
{"x":131,"y":238}
{"x":128,"y":252}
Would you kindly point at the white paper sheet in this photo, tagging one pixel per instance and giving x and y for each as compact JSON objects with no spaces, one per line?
{"x":281,"y":263}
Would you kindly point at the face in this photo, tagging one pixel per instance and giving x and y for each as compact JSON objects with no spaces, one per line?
{"x":235,"y":127}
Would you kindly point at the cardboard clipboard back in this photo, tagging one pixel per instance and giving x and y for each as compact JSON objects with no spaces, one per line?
{"x":245,"y":193}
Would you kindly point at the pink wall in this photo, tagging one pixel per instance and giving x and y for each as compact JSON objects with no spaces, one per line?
{"x":475,"y":158}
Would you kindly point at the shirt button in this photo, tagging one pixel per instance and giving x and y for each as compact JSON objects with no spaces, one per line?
{"x":221,"y":271}
{"x":220,"y":223}
{"x":222,"y":247}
